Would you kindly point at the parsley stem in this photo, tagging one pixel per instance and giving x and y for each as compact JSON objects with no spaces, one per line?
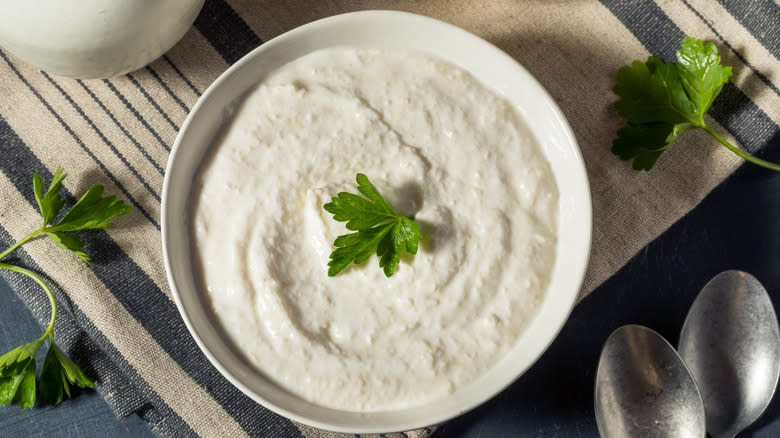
{"x":741,"y":153}
{"x":21,"y":242}
{"x":45,"y":287}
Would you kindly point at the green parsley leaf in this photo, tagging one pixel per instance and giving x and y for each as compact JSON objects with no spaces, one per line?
{"x":25,"y":394}
{"x":701,"y":74}
{"x":17,"y":374}
{"x":378,"y":229}
{"x":58,"y":374}
{"x":662,"y":100}
{"x":51,"y":203}
{"x":19,"y":354}
{"x":91,"y":212}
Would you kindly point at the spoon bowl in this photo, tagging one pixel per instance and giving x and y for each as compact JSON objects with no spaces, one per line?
{"x":644,"y":389}
{"x":731,"y":343}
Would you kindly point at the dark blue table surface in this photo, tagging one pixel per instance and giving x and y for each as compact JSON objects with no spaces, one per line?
{"x":735,"y":227}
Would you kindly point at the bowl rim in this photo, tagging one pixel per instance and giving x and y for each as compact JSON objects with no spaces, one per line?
{"x":574,"y":275}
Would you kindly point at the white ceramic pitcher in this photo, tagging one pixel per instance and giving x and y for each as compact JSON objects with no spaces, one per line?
{"x":93,"y":38}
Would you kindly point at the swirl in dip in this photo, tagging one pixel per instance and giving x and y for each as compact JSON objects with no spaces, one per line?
{"x":438,"y":145}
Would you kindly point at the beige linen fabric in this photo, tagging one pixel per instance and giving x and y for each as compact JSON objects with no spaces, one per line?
{"x":118,"y":132}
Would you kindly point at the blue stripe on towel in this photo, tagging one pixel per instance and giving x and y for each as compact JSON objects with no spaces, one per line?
{"x":761,"y":18}
{"x":743,"y":118}
{"x":141,"y":297}
{"x":95,"y":335}
{"x":156,"y":106}
{"x":122,"y":128}
{"x":167,"y":89}
{"x":135,"y":112}
{"x":181,"y":75}
{"x":661,"y":36}
{"x":225,"y":30}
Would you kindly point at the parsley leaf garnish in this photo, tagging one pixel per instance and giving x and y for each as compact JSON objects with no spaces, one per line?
{"x":17,"y":367}
{"x":378,"y":228}
{"x":17,"y":374}
{"x":92,"y":211}
{"x":58,"y":374}
{"x":662,"y":100}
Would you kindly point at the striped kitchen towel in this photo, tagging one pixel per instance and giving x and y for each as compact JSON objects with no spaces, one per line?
{"x":118,"y":318}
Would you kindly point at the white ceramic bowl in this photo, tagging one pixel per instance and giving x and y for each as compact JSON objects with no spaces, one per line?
{"x":93,"y":38}
{"x":380,"y":29}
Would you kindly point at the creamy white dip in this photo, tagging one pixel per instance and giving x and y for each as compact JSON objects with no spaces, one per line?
{"x":437,"y":144}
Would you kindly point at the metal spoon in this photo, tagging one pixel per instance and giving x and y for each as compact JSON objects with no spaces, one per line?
{"x":731,"y":343}
{"x":643,"y":388}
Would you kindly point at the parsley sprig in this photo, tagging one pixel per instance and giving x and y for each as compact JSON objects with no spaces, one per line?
{"x":662,"y":100}
{"x":378,"y":228}
{"x":59,"y":373}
